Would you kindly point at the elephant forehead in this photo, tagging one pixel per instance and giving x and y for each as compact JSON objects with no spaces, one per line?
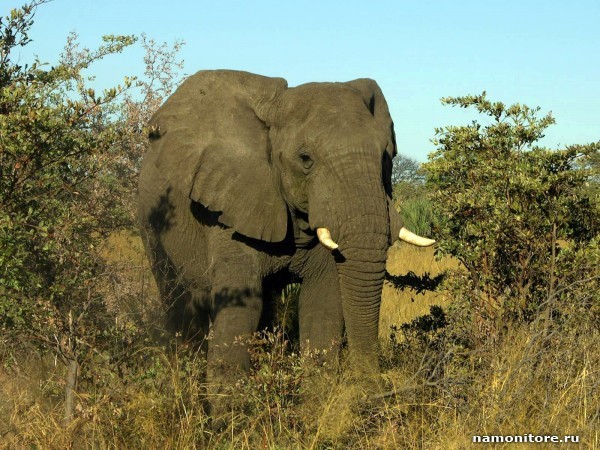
{"x":322,"y":97}
{"x":344,"y":130}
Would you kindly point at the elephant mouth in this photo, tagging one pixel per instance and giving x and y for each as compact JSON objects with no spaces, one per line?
{"x":324,"y":236}
{"x":301,"y":219}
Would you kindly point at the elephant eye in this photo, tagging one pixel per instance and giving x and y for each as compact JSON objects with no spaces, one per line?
{"x":307,"y":161}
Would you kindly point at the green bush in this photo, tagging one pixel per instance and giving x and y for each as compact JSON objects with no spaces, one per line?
{"x":53,"y":129}
{"x":509,"y":208}
{"x":68,"y":160}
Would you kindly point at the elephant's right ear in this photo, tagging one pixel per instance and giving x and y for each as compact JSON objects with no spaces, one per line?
{"x":220,"y":151}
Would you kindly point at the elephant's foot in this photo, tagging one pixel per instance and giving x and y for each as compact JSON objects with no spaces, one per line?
{"x":218,"y":417}
{"x":217,"y":407}
{"x":221,"y":393}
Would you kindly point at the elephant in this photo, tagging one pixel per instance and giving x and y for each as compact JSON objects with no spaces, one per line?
{"x":248,"y":184}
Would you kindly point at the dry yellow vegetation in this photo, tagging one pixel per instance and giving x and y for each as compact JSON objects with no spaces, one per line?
{"x":402,"y":305}
{"x":544,"y":385}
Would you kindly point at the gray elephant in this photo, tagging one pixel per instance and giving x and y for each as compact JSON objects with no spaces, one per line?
{"x":249,"y":184}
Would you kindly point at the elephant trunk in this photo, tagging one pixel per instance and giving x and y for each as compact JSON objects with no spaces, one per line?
{"x":349,"y":213}
{"x":363,"y":242}
{"x":361,"y":283}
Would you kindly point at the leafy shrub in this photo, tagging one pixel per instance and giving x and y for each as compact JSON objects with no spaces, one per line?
{"x":67,"y":172}
{"x":411,"y":200}
{"x":507,"y":208}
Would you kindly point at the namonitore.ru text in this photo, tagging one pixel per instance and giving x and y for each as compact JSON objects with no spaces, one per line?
{"x":525,"y":438}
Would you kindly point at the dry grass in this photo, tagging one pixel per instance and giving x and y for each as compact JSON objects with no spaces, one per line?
{"x":400,"y":306}
{"x":535,"y":382}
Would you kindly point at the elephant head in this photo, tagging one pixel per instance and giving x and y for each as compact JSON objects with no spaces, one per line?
{"x":313,"y":160}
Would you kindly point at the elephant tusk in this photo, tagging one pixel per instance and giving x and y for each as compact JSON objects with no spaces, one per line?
{"x":325,"y":238}
{"x":414,"y":239}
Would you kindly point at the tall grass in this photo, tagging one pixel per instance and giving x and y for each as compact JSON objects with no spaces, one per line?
{"x":417,"y":214}
{"x":542,"y":378}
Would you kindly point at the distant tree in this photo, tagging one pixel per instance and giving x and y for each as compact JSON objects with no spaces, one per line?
{"x":506,"y":205}
{"x":592,"y":164}
{"x":405,"y":169}
{"x":407,"y":180}
{"x":409,"y":194}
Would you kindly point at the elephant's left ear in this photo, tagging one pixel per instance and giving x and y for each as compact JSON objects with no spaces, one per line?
{"x":375,"y":101}
{"x":219,"y":151}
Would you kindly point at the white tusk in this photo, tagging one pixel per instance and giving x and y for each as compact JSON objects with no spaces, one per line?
{"x":414,"y":239}
{"x":325,"y":238}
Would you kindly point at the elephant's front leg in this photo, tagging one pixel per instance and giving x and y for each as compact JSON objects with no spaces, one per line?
{"x":236,"y":309}
{"x":320,"y":306}
{"x":236,"y":313}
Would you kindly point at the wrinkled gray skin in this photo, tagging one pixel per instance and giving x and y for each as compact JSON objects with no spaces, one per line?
{"x":240,"y":173}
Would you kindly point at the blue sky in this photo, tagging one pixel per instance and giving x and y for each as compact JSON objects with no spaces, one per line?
{"x":541,"y":53}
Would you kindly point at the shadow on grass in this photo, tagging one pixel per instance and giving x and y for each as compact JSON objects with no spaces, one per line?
{"x":414,"y":282}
